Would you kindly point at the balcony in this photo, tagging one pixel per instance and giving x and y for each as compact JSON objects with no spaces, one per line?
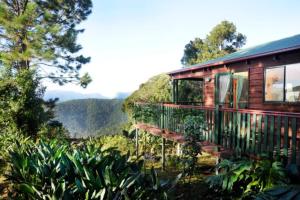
{"x":254,"y":133}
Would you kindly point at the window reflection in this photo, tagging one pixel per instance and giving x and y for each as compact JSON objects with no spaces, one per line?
{"x":292,"y":86}
{"x":274,"y":83}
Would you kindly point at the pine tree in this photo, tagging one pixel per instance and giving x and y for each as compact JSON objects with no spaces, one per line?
{"x":38,"y":40}
{"x":41,"y":35}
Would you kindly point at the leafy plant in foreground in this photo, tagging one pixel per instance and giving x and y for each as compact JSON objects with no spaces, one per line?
{"x":248,"y":178}
{"x":49,"y":170}
{"x":191,"y":148}
{"x":290,"y":192}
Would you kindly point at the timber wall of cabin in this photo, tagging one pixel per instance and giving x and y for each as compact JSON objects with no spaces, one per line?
{"x":255,"y":68}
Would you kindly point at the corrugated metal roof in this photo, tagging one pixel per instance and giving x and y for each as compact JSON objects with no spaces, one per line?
{"x":282,"y":45}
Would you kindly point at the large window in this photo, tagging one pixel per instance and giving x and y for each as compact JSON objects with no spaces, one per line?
{"x":282,"y":83}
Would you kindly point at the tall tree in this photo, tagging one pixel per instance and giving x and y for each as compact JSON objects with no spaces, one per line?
{"x":223,"y":39}
{"x":38,"y":40}
{"x":41,"y":35}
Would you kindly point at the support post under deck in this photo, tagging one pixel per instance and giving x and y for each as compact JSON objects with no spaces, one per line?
{"x":163,"y":151}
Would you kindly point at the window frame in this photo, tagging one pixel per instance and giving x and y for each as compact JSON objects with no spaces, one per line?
{"x":284,"y":101}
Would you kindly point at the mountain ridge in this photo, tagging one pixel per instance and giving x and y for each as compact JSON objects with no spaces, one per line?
{"x":90,"y":117}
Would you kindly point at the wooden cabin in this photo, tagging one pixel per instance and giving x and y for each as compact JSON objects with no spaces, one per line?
{"x":264,"y":77}
{"x":251,"y":101}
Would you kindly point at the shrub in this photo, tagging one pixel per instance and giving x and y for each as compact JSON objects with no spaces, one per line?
{"x":119,"y":142}
{"x":53,"y":130}
{"x":248,"y":178}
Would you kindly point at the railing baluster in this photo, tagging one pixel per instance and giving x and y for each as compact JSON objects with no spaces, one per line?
{"x":221,"y":131}
{"x":265,"y":145}
{"x":258,"y":146}
{"x":210,"y":126}
{"x":230,"y":129}
{"x":271,"y":145}
{"x":234,"y":131}
{"x":278,"y":134}
{"x":226,"y":115}
{"x":286,"y":137}
{"x":253,"y":138}
{"x":248,"y":132}
{"x":294,"y":139}
{"x":243,"y":132}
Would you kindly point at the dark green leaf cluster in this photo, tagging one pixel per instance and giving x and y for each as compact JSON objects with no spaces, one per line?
{"x":22,"y":107}
{"x":194,"y":127}
{"x":11,"y":141}
{"x":49,"y":170}
{"x":247,"y":178}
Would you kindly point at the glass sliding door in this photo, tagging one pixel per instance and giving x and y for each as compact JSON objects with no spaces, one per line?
{"x":231,"y":90}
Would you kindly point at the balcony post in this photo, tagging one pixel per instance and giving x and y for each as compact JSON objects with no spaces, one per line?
{"x":217,"y":126}
{"x":173,"y":91}
{"x":176,"y":91}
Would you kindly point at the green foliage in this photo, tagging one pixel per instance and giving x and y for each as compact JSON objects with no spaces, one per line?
{"x":194,"y":126}
{"x":290,"y":192}
{"x":247,"y":178}
{"x":22,"y":108}
{"x":191,"y":148}
{"x":88,"y":117}
{"x":53,"y":130}
{"x":56,"y":171}
{"x":37,"y":41}
{"x":190,"y":91}
{"x":156,"y":89}
{"x":42,"y":35}
{"x":120,"y":142}
{"x":147,"y":113}
{"x":12,"y":141}
{"x":149,"y":144}
{"x":223,"y":39}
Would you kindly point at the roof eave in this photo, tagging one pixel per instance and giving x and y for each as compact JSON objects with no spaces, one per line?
{"x":233,"y":60}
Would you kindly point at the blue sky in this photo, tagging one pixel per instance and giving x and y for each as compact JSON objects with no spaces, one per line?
{"x":132,"y":40}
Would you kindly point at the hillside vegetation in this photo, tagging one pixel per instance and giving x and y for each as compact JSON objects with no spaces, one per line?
{"x":88,"y":117}
{"x":156,"y":89}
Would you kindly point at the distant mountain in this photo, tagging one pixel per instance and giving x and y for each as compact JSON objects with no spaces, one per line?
{"x":122,"y":95}
{"x":87,"y":117}
{"x":70,"y":95}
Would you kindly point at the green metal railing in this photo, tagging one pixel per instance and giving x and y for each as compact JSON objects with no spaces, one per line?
{"x":251,"y":132}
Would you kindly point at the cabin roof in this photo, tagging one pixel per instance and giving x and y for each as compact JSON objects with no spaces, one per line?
{"x":269,"y":48}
